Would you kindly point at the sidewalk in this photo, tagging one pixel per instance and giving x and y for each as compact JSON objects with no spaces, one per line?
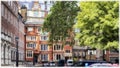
{"x":26,"y":64}
{"x":38,"y":65}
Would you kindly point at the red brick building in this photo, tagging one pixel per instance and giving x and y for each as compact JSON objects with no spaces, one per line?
{"x":37,"y":44}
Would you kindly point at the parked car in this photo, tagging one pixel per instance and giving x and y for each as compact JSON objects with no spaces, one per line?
{"x":45,"y":64}
{"x":61,"y":63}
{"x":52,"y":63}
{"x":101,"y":65}
{"x":69,"y":62}
{"x":86,"y":63}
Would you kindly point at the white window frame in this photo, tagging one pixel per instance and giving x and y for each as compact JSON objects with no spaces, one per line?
{"x":31,"y":38}
{"x":44,"y":57}
{"x":31,"y":45}
{"x":58,"y":57}
{"x":57,"y":47}
{"x":43,"y":47}
{"x":30,"y":52}
{"x":44,"y":38}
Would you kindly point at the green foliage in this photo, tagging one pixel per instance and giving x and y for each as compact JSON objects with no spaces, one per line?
{"x":98,"y":22}
{"x":60,"y":19}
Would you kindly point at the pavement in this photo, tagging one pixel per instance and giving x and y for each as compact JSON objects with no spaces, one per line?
{"x":24,"y":64}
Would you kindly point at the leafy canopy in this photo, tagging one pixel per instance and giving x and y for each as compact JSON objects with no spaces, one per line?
{"x":98,"y":24}
{"x":61,"y":19}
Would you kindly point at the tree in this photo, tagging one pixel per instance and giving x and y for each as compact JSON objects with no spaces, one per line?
{"x":98,"y":24}
{"x":60,"y":21}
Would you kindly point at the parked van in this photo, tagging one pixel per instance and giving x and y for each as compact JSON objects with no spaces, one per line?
{"x":69,"y":62}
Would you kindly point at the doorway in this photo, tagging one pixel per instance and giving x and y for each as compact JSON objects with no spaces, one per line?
{"x":36,"y":58}
{"x":66,"y":58}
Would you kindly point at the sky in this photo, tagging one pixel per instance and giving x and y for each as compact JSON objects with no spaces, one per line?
{"x":28,"y":4}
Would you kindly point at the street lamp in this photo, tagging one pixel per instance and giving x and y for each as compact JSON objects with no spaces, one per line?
{"x":17,"y":54}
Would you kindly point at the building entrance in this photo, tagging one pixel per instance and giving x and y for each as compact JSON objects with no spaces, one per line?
{"x":66,"y":58}
{"x":36,"y":58}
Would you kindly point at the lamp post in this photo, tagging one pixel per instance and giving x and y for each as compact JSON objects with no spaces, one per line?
{"x":17,"y":55}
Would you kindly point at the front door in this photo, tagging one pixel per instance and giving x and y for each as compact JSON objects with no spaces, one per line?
{"x":66,"y":58}
{"x":36,"y":58}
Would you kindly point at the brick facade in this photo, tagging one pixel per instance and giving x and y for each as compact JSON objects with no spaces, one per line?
{"x":43,"y":51}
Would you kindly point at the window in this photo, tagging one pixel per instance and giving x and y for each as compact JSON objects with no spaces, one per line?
{"x":42,"y":14}
{"x":67,"y":51}
{"x":44,"y":47}
{"x":29,"y":53}
{"x":36,"y":13}
{"x":2,"y":7}
{"x":44,"y":57}
{"x":13,"y":55}
{"x":30,"y":29}
{"x":31,"y":45}
{"x":31,"y":38}
{"x":57,"y":47}
{"x":44,"y":38}
{"x":5,"y":12}
{"x":90,"y":52}
{"x":58,"y":57}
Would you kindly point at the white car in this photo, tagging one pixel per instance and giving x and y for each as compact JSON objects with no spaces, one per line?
{"x":46,"y":64}
{"x":52,"y":63}
{"x":69,"y":62}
